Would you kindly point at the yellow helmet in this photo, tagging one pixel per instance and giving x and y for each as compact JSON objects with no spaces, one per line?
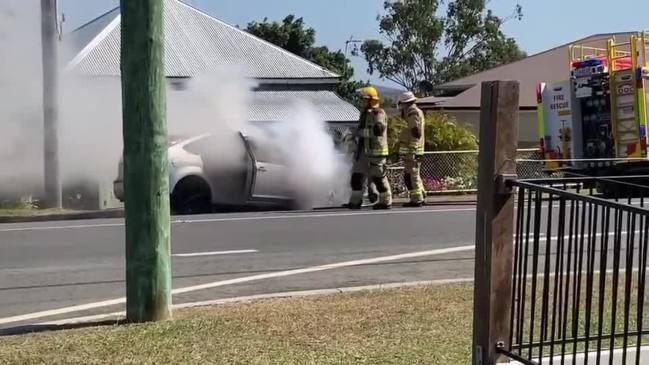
{"x":369,"y":93}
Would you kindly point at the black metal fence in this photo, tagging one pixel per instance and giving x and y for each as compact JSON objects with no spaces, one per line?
{"x":579,"y":275}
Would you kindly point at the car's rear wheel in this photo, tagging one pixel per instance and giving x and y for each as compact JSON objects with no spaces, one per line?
{"x":191,"y":195}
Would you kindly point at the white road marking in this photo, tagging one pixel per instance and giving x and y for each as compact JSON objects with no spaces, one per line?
{"x":214,"y":253}
{"x":237,"y":219}
{"x":246,"y":279}
{"x":111,"y":302}
{"x":577,"y":235}
{"x":292,"y":294}
{"x":302,"y":293}
{"x":56,"y":312}
{"x":313,"y":269}
{"x":260,"y":217}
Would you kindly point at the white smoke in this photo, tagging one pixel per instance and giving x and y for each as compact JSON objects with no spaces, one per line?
{"x":316,"y":170}
{"x":90,"y":128}
{"x":21,"y":128}
{"x":90,"y":117}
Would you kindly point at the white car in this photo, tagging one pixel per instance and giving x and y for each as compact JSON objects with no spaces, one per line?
{"x":203,"y":174}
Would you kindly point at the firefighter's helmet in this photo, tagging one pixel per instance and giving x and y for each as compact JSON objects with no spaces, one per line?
{"x":369,"y":93}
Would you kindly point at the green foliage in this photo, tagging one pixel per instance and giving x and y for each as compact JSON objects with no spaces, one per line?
{"x":445,"y":171}
{"x":424,"y":46}
{"x":443,"y":133}
{"x":395,"y":124}
{"x":293,"y":35}
{"x":23,"y":203}
{"x":389,"y":103}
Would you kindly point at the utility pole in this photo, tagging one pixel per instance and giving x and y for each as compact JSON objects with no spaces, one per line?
{"x":50,"y":40}
{"x":146,"y":179}
{"x":495,"y":220}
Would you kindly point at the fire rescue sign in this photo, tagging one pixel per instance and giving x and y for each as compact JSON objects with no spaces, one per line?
{"x":559,"y":130}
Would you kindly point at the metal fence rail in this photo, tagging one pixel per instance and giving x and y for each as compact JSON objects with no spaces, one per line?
{"x":579,"y":292}
{"x":457,"y":171}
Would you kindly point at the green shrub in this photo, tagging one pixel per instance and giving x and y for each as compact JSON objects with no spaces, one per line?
{"x":23,"y":203}
{"x":448,"y":171}
{"x":443,"y":133}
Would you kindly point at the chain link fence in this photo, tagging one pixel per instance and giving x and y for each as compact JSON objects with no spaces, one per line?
{"x":457,"y":171}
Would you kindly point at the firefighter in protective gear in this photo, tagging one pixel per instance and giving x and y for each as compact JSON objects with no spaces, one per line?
{"x":370,"y":159}
{"x":350,"y":144}
{"x":411,"y":148}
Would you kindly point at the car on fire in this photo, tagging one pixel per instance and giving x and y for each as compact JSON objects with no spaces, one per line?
{"x":252,"y":174}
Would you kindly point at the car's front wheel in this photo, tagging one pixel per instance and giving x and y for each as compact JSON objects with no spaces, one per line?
{"x":191,"y":195}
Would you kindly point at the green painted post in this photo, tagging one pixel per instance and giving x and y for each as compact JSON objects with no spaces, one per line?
{"x":146,"y":179}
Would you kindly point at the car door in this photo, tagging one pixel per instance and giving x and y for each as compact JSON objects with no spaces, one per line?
{"x":267,"y":172}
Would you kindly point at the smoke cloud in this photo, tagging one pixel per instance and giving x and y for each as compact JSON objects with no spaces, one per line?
{"x":91,"y":121}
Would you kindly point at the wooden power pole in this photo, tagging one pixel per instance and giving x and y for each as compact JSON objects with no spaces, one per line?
{"x":146,"y":179}
{"x":495,"y":220}
{"x":50,"y":40}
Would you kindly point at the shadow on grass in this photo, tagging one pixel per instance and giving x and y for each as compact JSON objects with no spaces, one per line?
{"x":36,"y":328}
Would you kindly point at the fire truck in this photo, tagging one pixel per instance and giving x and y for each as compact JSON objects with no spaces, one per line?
{"x":594,"y":123}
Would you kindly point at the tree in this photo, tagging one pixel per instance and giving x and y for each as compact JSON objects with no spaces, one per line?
{"x":293,"y":35}
{"x":425,"y":47}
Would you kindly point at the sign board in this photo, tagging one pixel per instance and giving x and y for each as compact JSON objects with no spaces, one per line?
{"x":562,"y":139}
{"x":627,"y":125}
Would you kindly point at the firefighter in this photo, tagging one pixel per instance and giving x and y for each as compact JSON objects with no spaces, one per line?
{"x":411,"y":148}
{"x":350,"y":143}
{"x":370,"y":159}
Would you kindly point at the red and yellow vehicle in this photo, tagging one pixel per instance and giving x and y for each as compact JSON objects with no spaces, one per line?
{"x":596,"y":121}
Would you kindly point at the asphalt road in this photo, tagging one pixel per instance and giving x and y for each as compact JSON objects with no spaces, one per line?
{"x":77,"y":268}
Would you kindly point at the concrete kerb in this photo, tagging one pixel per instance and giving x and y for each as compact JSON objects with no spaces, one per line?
{"x":87,"y":215}
{"x":119,"y":213}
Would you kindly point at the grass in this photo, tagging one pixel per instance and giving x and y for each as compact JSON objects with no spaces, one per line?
{"x":605,"y":320}
{"x":425,"y":325}
{"x":22,"y":212}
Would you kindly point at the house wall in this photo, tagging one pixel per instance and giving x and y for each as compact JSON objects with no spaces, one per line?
{"x":527,"y":131}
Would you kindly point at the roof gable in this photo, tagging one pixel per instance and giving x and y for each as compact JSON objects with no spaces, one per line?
{"x":547,"y":66}
{"x":537,"y":61}
{"x":195,"y":43}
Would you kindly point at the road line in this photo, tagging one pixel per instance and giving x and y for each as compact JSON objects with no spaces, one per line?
{"x":261,"y":217}
{"x":280,"y":295}
{"x":294,"y":294}
{"x":246,"y":279}
{"x":313,"y":269}
{"x":214,"y":253}
{"x":242,"y":219}
{"x":56,"y":312}
{"x":543,"y":237}
{"x":299,"y":294}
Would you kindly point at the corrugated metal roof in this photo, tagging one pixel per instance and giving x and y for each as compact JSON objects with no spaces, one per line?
{"x":195,"y":43}
{"x":74,"y":42}
{"x":279,"y":106}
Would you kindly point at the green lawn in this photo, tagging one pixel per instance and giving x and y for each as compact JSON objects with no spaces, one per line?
{"x":426,"y":325}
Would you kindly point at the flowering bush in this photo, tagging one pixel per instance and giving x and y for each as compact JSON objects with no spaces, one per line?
{"x":450,"y":183}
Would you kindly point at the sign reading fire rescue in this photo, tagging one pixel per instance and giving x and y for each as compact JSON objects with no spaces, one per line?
{"x":559,"y":129}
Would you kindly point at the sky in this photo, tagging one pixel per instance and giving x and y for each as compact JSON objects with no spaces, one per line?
{"x":545,"y":23}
